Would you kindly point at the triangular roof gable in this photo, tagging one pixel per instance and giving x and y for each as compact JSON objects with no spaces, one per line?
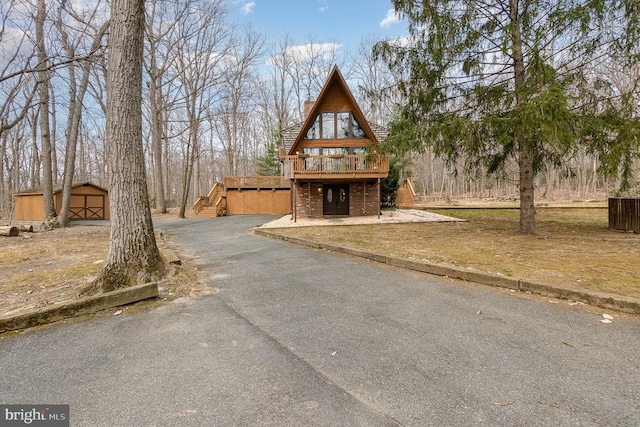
{"x":334,"y":76}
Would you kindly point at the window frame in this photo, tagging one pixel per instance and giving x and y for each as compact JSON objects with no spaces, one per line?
{"x":317,"y":129}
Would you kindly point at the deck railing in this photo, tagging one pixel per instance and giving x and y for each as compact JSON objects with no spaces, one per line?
{"x":351,"y":165}
{"x":209,"y":199}
{"x":256,"y":182}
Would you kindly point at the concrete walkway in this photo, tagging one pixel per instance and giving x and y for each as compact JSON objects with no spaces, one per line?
{"x":302,"y":337}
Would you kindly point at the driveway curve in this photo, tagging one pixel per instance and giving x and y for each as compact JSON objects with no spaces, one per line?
{"x":296,"y":336}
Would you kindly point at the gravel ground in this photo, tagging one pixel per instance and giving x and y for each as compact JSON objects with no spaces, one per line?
{"x":387,"y":217}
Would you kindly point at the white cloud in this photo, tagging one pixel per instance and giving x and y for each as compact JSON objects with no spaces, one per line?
{"x":391,"y":18}
{"x":323,"y":5}
{"x":301,"y":53}
{"x":310,"y":50}
{"x":247,"y":8}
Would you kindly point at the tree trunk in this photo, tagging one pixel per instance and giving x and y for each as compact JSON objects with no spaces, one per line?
{"x":76,"y":94}
{"x":35,"y":173}
{"x":186,"y":181}
{"x":133,"y":254}
{"x":525,"y":150}
{"x":53,"y":133}
{"x":4,"y":196}
{"x":156,"y":132}
{"x":43,"y":90}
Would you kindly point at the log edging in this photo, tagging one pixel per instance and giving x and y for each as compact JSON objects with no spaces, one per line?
{"x":79,"y":307}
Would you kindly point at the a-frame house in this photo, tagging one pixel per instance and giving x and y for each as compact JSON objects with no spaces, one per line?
{"x":332,"y":158}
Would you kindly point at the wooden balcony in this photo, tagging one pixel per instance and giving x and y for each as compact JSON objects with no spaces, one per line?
{"x":348,"y":166}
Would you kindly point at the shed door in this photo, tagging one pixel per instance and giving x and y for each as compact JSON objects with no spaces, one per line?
{"x":86,"y":207}
{"x":336,"y":199}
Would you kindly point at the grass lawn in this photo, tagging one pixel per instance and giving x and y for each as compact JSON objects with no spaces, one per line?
{"x":573,"y":248}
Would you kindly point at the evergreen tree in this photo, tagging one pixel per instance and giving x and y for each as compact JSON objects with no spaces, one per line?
{"x":269,"y":164}
{"x":489,"y":81}
{"x":389,"y":185}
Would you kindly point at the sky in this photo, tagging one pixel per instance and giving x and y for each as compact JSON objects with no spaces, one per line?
{"x":346,"y":22}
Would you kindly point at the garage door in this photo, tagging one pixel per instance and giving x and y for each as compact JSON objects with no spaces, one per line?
{"x":86,"y":207}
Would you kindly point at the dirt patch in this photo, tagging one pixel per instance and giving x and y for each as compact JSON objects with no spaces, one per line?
{"x":42,"y":268}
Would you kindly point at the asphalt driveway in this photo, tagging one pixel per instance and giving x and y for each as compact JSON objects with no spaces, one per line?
{"x":296,"y":336}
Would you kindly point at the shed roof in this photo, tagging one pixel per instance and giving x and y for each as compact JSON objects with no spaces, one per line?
{"x":58,"y":188}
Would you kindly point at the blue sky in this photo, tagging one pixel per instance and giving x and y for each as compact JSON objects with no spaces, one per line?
{"x":345,"y":22}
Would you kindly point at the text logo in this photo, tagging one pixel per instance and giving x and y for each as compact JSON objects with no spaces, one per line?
{"x":34,"y":415}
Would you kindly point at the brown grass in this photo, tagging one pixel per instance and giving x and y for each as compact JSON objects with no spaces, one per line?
{"x":39,"y":269}
{"x":572,"y":249}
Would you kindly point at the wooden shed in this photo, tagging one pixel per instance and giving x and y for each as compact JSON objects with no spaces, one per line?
{"x":88,"y":201}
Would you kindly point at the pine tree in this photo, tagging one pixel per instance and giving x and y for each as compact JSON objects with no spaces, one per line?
{"x":490,"y":81}
{"x":269,"y":164}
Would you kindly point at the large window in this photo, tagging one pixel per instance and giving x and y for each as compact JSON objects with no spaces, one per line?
{"x":328,"y":126}
{"x":335,"y":125}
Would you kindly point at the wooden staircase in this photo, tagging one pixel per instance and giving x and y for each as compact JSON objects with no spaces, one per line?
{"x":213,"y":204}
{"x":406,"y":194}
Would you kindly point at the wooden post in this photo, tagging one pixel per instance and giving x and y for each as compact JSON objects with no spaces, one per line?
{"x":364,"y":196}
{"x":378,"y":208}
{"x":309,"y":198}
{"x":295,"y":204}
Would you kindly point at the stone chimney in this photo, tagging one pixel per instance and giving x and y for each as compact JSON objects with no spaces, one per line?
{"x":308,"y":105}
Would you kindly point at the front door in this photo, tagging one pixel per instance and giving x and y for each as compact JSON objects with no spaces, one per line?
{"x":336,"y":199}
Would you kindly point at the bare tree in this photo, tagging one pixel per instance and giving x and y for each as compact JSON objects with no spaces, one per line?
{"x":234,"y":110}
{"x":377,"y":85}
{"x":310,"y":65}
{"x":43,"y":91}
{"x":201,"y":50}
{"x":14,"y":81}
{"x":133,"y":254}
{"x":163,"y":23}
{"x":77,"y":89}
{"x":277,"y":90}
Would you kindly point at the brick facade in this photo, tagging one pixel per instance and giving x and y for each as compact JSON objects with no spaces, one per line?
{"x":308,"y":199}
{"x":363,"y":199}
